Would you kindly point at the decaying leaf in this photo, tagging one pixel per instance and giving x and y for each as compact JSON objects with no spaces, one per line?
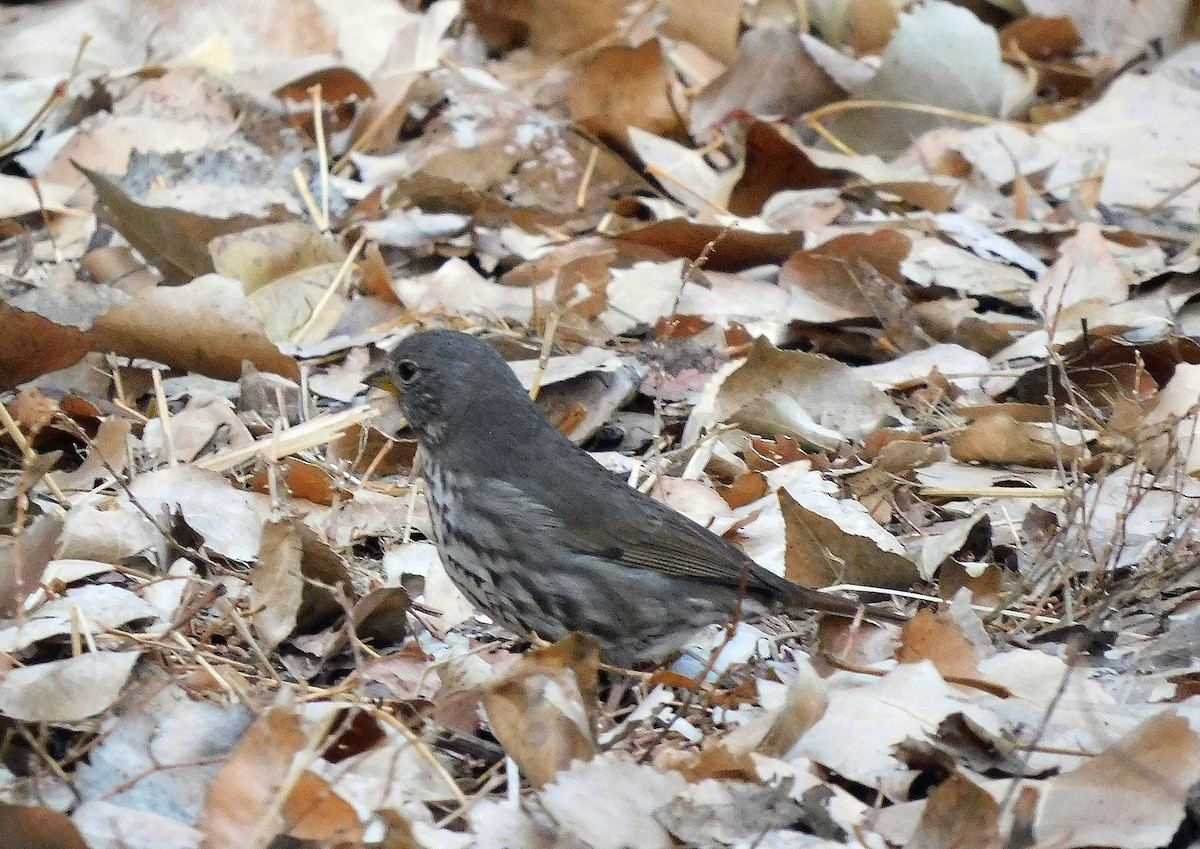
{"x":294,"y":583}
{"x":541,"y":710}
{"x":1130,"y":795}
{"x":66,"y":690}
{"x":941,"y":55}
{"x":791,"y":393}
{"x":243,"y":803}
{"x":175,"y":241}
{"x":833,"y":541}
{"x":37,"y":828}
{"x":959,"y":813}
{"x":612,"y":802}
{"x":205,"y":325}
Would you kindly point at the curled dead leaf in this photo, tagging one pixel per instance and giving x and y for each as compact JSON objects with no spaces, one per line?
{"x":541,"y":709}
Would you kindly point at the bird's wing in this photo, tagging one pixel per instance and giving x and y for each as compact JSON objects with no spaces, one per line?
{"x":678,"y":546}
{"x":623,"y":526}
{"x":632,"y":529}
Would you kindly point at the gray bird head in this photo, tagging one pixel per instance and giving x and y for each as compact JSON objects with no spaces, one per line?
{"x":447,"y":380}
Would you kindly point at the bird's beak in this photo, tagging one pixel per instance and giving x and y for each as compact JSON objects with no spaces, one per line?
{"x":381,"y":380}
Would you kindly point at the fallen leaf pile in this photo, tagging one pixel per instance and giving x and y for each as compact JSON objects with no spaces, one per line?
{"x":899,"y":297}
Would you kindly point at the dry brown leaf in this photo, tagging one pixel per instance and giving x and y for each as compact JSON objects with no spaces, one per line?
{"x":45,"y":346}
{"x":225,"y":517}
{"x":986,"y":587}
{"x":260,"y":255}
{"x":304,"y":481}
{"x":379,"y":617}
{"x":711,"y":25}
{"x":1132,"y":795}
{"x":732,"y":250}
{"x":23,"y":559}
{"x":933,"y":637}
{"x":24,"y":827}
{"x":88,"y":609}
{"x":856,"y":735}
{"x":207,"y":423}
{"x":773,"y":76}
{"x":923,"y":194}
{"x":685,"y":174}
{"x":825,"y":276}
{"x":940,"y":55}
{"x":1177,"y":404}
{"x":183,"y":109}
{"x":998,"y":438}
{"x":831,"y":542}
{"x":287,"y":305}
{"x":611,"y":802}
{"x":205,"y":326}
{"x":933,"y":262}
{"x":547,"y":27}
{"x":277,"y":583}
{"x":105,"y":825}
{"x":338,"y":83}
{"x":938,"y":543}
{"x":715,"y":761}
{"x":1148,"y":160}
{"x":1113,"y":32}
{"x":869,"y":25}
{"x":554,"y":28}
{"x":793,"y":393}
{"x":1085,"y":278}
{"x":620,"y":87}
{"x":541,"y":710}
{"x":459,"y":288}
{"x":774,"y":164}
{"x":242,"y":806}
{"x":1040,"y":37}
{"x":120,"y":268}
{"x":959,"y":813}
{"x":804,"y":704}
{"x":173,"y":240}
{"x":288,"y":586}
{"x":32,"y":411}
{"x":312,"y":811}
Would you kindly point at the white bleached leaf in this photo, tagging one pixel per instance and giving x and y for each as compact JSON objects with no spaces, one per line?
{"x":941,"y":55}
{"x":66,"y":690}
{"x":99,"y":606}
{"x":224,"y":516}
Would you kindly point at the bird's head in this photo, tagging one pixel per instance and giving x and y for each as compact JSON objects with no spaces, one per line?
{"x":439,"y":375}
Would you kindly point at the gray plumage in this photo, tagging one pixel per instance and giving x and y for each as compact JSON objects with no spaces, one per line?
{"x":542,"y":538}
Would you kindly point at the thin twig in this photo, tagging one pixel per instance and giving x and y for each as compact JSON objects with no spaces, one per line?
{"x":14,"y":431}
{"x":307,"y":196}
{"x":544,"y":354}
{"x":331,"y":289}
{"x":322,"y":152}
{"x":586,"y":181}
{"x":309,"y":434}
{"x":814,"y":118}
{"x":164,"y":417}
{"x":424,"y":751}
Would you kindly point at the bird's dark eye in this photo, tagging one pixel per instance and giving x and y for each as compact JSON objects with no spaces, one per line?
{"x":406,"y":371}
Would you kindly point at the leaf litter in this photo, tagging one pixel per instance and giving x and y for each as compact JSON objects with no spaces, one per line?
{"x":898,"y":297}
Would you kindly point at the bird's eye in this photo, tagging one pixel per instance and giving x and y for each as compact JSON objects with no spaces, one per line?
{"x":406,"y":371}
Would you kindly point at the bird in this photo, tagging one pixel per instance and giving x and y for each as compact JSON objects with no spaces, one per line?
{"x":546,"y":541}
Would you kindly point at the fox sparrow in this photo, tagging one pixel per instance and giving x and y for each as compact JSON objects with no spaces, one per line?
{"x":544,"y":539}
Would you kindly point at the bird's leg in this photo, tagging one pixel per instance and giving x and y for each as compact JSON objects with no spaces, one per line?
{"x":620,"y":685}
